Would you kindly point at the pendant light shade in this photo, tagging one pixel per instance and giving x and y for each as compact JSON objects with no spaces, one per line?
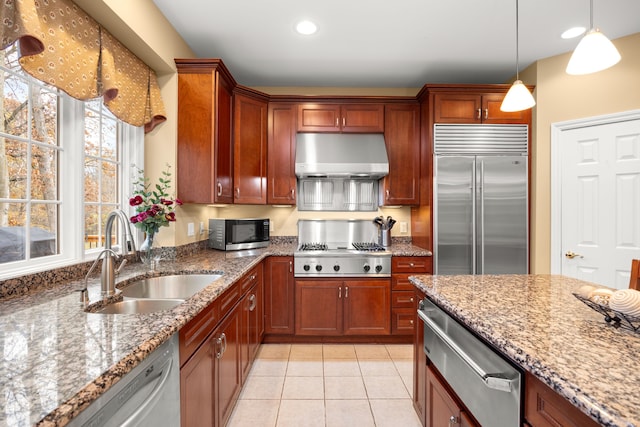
{"x":518,"y":97}
{"x":594,"y":53}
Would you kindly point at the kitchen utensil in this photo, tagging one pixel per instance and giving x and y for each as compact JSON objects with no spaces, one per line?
{"x":391,"y":223}
{"x":379,"y":220}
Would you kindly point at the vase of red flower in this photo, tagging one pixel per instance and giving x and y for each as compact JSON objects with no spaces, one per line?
{"x":154,"y":209}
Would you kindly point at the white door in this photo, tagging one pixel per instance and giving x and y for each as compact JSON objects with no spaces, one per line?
{"x":599,"y":202}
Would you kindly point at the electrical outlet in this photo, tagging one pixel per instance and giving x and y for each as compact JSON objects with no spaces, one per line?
{"x":201,"y":228}
{"x":403,"y":227}
{"x":190,"y":229}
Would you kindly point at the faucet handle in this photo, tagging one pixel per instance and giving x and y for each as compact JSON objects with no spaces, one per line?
{"x":121,"y":266}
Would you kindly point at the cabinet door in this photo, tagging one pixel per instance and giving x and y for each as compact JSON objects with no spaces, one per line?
{"x":362,"y":118}
{"x":281,"y":142}
{"x":318,"y":307}
{"x":420,"y":364}
{"x":457,"y":108}
{"x":441,"y":410}
{"x":367,"y":307}
{"x":402,"y":138}
{"x":228,"y":377}
{"x":223,"y":156}
{"x":197,"y":388}
{"x":279,"y":296}
{"x":250,"y":150}
{"x":491,"y":112}
{"x":319,"y":118}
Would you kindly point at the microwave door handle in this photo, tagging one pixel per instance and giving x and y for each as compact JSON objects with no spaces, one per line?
{"x":491,"y":380}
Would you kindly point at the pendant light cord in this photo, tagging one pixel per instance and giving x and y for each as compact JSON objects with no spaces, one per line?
{"x":518,"y":43}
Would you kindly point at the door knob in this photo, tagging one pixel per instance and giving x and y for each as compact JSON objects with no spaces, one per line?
{"x":572,"y":255}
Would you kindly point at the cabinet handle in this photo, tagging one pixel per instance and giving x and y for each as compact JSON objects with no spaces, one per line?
{"x":224,"y":343}
{"x":218,"y":347}
{"x":253,"y":277}
{"x":252,"y":300}
{"x":486,"y":113}
{"x":479,"y":113}
{"x":290,"y":266}
{"x":346,"y":292}
{"x":387,"y":193}
{"x":339,"y":292}
{"x":344,"y":121}
{"x":337,"y":122}
{"x":219,"y":189}
{"x":238,"y":192}
{"x":293,"y":193}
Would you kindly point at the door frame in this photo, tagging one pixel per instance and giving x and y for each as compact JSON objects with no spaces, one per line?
{"x":557,"y":130}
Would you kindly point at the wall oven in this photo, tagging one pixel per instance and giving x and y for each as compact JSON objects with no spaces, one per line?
{"x":238,"y":234}
{"x":488,"y":385}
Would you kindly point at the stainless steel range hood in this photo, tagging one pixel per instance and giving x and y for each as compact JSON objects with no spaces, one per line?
{"x":341,"y":155}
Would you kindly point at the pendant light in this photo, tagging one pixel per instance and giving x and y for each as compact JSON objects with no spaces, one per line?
{"x":518,"y":98}
{"x":595,"y":52}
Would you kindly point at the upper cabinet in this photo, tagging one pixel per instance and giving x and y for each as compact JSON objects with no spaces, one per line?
{"x":402,"y":138}
{"x":355,"y":118}
{"x":250,"y":147}
{"x":205,"y":151}
{"x":281,"y":146}
{"x":465,"y":107}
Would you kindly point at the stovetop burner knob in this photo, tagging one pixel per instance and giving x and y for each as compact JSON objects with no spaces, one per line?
{"x":366,"y":268}
{"x":318,"y":267}
{"x":378,"y":268}
{"x":336,"y":267}
{"x":306,"y":267}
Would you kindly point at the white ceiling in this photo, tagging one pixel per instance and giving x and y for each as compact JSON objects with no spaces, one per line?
{"x":386,"y":43}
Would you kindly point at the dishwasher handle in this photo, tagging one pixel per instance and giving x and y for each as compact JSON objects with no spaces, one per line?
{"x":494,"y":381}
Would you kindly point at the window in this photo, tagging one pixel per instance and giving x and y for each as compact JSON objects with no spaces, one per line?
{"x":64,"y":165}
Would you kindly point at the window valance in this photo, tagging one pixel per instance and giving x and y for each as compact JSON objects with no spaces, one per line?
{"x":62,"y":45}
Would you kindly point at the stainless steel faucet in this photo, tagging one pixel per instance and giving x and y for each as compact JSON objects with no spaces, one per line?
{"x":108,"y":274}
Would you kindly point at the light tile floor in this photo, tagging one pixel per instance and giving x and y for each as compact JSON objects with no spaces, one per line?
{"x":328,"y":385}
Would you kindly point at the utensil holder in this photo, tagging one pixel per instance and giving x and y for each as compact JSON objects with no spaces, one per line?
{"x":384,"y":238}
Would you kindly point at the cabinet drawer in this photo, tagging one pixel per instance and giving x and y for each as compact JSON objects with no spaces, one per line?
{"x":402,"y":321}
{"x":400,"y":282}
{"x":250,"y":279}
{"x":196,"y":331}
{"x":403,"y":299}
{"x":415,"y":265}
{"x":228,"y":299}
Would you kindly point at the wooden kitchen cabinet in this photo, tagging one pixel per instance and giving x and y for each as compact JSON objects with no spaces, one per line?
{"x":227,"y":367}
{"x":252,"y":325}
{"x":355,"y":118}
{"x":442,"y":410}
{"x":342,"y":307}
{"x":464,"y":107}
{"x":543,"y":407}
{"x":419,"y":364}
{"x":279,"y":296}
{"x":403,"y":308}
{"x":204,"y":149}
{"x":281,"y":147}
{"x":250,"y":147}
{"x":197,"y":387}
{"x":402,"y":139}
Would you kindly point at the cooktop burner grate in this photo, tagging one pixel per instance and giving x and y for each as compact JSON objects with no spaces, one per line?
{"x":368,"y":247}
{"x":313,"y":247}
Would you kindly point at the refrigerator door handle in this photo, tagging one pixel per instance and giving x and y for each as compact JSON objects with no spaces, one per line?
{"x":474,"y":218}
{"x":480,"y":262}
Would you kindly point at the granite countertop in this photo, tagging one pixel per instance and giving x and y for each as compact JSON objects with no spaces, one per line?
{"x":537,"y":322}
{"x":57,"y":358}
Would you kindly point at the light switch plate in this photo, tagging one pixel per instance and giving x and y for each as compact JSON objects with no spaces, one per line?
{"x":403,"y":227}
{"x":190,"y":229}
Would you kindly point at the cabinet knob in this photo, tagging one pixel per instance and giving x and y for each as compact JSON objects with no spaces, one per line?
{"x":411,"y":322}
{"x":411,"y":299}
{"x":411,"y":264}
{"x":453,"y":420}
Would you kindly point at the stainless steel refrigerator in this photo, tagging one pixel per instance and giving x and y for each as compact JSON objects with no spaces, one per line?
{"x":481,"y":199}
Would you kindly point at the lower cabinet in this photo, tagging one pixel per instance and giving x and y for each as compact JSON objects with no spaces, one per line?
{"x":252,"y":331}
{"x":342,"y":307}
{"x":227,"y":366}
{"x":419,"y":363}
{"x":279,"y":296}
{"x":403,"y":308}
{"x":442,"y":410}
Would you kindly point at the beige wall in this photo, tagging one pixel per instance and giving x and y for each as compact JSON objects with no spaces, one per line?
{"x":562,"y":97}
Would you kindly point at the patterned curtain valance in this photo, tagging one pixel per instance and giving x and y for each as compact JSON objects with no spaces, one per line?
{"x":62,"y":45}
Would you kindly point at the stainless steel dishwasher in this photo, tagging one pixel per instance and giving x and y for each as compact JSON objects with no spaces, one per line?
{"x":149,"y":395}
{"x":488,"y":385}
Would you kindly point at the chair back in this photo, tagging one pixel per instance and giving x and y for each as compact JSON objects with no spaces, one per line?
{"x":634,"y":282}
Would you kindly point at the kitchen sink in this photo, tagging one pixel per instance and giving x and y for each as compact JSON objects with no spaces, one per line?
{"x":178,"y":286}
{"x":139,"y":306}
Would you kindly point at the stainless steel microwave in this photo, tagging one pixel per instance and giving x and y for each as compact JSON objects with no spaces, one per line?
{"x":237,"y":234}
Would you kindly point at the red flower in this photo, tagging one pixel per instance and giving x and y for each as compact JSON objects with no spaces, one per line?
{"x":134,"y":219}
{"x":166,"y":202}
{"x":135,"y":201}
{"x":170,"y":216}
{"x":142,"y":216}
{"x":178,"y":202}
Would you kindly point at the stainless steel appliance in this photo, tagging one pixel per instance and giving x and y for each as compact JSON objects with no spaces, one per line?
{"x":149,"y":395}
{"x":237,"y":234}
{"x":488,"y":385}
{"x":481,"y":199}
{"x":340,"y":248}
{"x":339,"y":172}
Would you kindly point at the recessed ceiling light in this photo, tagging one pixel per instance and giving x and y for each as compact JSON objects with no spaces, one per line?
{"x":573,"y":32}
{"x":306,"y":28}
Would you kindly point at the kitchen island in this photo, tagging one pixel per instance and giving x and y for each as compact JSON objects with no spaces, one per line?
{"x":535,"y":321}
{"x":56,"y":358}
